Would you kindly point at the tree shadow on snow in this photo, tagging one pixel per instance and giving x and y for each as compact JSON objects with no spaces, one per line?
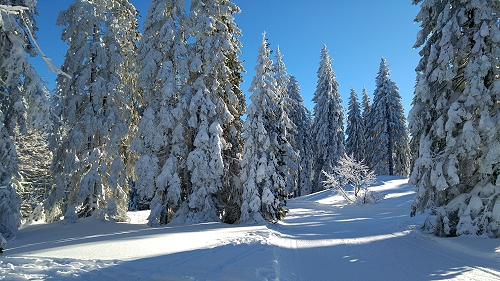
{"x":235,"y":260}
{"x":87,"y":231}
{"x":351,"y":254}
{"x":373,"y":242}
{"x":391,"y":258}
{"x":396,"y":258}
{"x":314,"y":242}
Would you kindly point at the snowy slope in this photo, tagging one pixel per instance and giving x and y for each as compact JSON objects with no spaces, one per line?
{"x":321,"y":239}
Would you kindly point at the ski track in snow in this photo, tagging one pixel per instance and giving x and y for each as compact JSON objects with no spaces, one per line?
{"x":320,"y":239}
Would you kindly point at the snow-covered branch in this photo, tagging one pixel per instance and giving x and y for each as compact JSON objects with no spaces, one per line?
{"x":47,"y":60}
{"x":332,"y":182}
{"x":12,"y":10}
{"x":19,"y":10}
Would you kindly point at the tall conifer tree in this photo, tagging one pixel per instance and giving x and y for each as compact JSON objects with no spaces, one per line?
{"x":366,"y":112}
{"x":355,"y":131}
{"x":213,"y":102}
{"x":301,"y":136}
{"x":94,"y":105}
{"x":454,"y":120}
{"x":387,"y":136}
{"x":327,"y":128}
{"x":366,"y":107}
{"x":290,"y":153}
{"x":235,"y":101}
{"x":263,"y":182}
{"x":23,"y":103}
{"x":160,"y":138}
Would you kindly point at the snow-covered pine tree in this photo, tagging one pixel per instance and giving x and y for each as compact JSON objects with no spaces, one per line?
{"x":454,"y":121}
{"x":23,"y":103}
{"x":366,"y":111}
{"x":263,"y":182}
{"x":159,"y":141}
{"x":327,"y":129}
{"x":95,"y":106}
{"x":10,"y":202}
{"x":280,"y":73}
{"x":355,"y":130}
{"x":235,"y":101}
{"x":290,"y":154}
{"x":366,"y":105}
{"x":299,"y":115}
{"x":310,"y":117}
{"x":387,"y":139}
{"x":213,"y":105}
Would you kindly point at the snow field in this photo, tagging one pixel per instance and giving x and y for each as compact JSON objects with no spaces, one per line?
{"x":320,"y":239}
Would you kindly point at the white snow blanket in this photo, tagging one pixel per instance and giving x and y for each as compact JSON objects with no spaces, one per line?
{"x":322,"y":238}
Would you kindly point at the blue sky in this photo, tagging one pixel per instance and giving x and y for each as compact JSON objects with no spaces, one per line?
{"x":357,"y":32}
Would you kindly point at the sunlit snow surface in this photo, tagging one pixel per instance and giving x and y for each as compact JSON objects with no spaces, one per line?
{"x":320,"y":239}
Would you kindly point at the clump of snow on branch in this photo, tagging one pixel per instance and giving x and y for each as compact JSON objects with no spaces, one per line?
{"x":13,"y":9}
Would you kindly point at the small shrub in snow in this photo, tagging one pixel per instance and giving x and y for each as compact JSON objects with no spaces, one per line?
{"x":356,"y":174}
{"x":368,"y":197}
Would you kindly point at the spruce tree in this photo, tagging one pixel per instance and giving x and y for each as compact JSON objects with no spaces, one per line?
{"x":454,"y":119}
{"x":387,"y":136}
{"x":213,"y":105}
{"x":290,"y":154}
{"x":366,"y":109}
{"x":235,"y":101}
{"x":327,"y":128}
{"x":301,"y":136}
{"x":159,"y":141}
{"x":94,"y":106}
{"x":263,"y":182}
{"x":280,"y":73}
{"x":365,"y":115}
{"x":10,"y":201}
{"x":23,"y":103}
{"x":355,"y":131}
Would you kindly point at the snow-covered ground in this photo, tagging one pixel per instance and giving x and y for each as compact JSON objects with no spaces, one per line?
{"x":320,"y":239}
